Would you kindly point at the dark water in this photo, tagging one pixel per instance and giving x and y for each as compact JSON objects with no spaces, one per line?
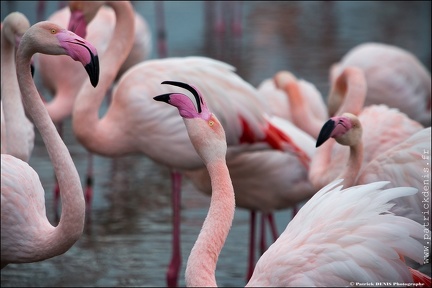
{"x":128,"y":242}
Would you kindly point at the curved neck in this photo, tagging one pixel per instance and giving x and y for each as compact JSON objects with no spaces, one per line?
{"x":352,"y":85}
{"x":302,"y":115}
{"x":13,"y":110}
{"x":201,"y":265}
{"x":320,"y":172}
{"x":351,"y":170}
{"x":71,"y":225}
{"x":85,"y":116}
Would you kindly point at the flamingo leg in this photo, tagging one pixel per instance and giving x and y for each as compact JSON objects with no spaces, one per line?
{"x":40,"y":11}
{"x":88,"y":194}
{"x":273,"y":227}
{"x":174,"y":266}
{"x":251,"y":260}
{"x":295,"y":210}
{"x":236,"y":20}
{"x":263,"y":245}
{"x":161,"y":31}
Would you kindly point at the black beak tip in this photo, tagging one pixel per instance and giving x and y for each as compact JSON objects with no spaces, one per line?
{"x":325,"y":132}
{"x":92,"y":69}
{"x":163,"y":97}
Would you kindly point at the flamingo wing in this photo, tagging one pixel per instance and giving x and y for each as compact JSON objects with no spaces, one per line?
{"x":342,"y":236}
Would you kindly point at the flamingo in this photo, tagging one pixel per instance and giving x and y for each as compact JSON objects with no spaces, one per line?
{"x":338,"y":237}
{"x":394,"y":127}
{"x":394,"y":76}
{"x":261,"y":179}
{"x":129,"y":125}
{"x":275,"y":98}
{"x":63,"y":77}
{"x":130,"y":98}
{"x":305,"y":102}
{"x":17,"y":130}
{"x":26,"y":234}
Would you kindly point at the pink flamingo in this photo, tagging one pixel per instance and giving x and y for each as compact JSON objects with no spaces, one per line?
{"x":26,"y":233}
{"x":63,"y":77}
{"x":399,"y":164}
{"x":394,"y":127}
{"x":327,"y":237}
{"x":130,"y":97}
{"x":305,"y":102}
{"x":261,"y":179}
{"x":17,"y":130}
{"x":275,"y":99}
{"x":130,"y":118}
{"x":394,"y":76}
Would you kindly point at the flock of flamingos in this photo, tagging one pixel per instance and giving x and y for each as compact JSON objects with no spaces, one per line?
{"x":366,"y":218}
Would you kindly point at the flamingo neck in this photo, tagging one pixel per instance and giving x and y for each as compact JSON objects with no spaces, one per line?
{"x":201,"y":265}
{"x":13,"y":110}
{"x":353,"y":165}
{"x":301,"y":111}
{"x":57,"y":240}
{"x":85,"y":121}
{"x":355,"y":89}
{"x":321,"y":165}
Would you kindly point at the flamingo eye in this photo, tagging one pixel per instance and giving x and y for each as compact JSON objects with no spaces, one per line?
{"x":53,"y":31}
{"x":211,"y":122}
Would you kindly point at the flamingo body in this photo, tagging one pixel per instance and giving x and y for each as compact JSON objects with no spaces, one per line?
{"x":26,"y":234}
{"x":395,"y":77}
{"x":337,"y":237}
{"x":341,"y":236}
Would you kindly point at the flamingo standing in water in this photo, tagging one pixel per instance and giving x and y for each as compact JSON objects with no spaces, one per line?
{"x":394,"y":76}
{"x":338,"y":237}
{"x":63,"y":77}
{"x":17,"y":130}
{"x":130,"y":125}
{"x":26,"y":233}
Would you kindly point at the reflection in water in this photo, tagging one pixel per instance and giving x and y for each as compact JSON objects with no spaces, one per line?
{"x":127,"y":240}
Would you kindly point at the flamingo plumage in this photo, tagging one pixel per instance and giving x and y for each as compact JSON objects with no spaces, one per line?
{"x":26,"y":234}
{"x":394,"y":76}
{"x":338,"y":237}
{"x":17,"y":130}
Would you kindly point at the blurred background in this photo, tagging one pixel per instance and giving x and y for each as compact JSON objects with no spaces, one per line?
{"x":128,"y":241}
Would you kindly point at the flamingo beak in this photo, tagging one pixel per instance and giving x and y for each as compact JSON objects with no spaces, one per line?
{"x":325,"y":132}
{"x":187,"y":87}
{"x":334,"y":127}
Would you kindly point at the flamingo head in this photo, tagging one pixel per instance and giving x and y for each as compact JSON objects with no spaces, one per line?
{"x":184,"y":104}
{"x":345,"y":129}
{"x":203,"y":127}
{"x":49,"y":38}
{"x":82,"y":13}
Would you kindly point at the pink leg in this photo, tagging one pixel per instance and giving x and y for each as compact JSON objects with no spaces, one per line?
{"x":251,"y":261}
{"x":273,"y":227}
{"x":174,"y":266}
{"x":237,"y":18}
{"x":219,"y":25}
{"x":263,"y":245}
{"x":88,"y":194}
{"x":161,"y":31}
{"x":295,"y":210}
{"x":40,"y":11}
